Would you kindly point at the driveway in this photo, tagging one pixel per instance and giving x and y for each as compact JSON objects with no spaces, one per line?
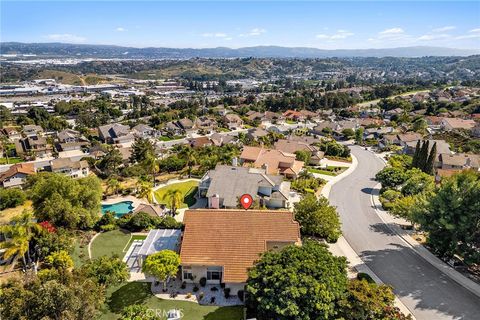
{"x":426,"y":291}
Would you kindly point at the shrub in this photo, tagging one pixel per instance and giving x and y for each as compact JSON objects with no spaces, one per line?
{"x":203,"y":281}
{"x":189,"y":295}
{"x":214,"y":289}
{"x":222,"y":285}
{"x":107,"y":219}
{"x":195,"y":289}
{"x":365,"y":276}
{"x":241,"y":295}
{"x":200,"y":296}
{"x":10,"y":198}
{"x":109,"y":227}
{"x":184,"y":285}
{"x":226,"y":291}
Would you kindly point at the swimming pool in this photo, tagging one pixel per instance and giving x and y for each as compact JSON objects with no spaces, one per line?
{"x":119,"y":208}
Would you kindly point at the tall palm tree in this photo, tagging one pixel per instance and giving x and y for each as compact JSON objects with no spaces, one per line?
{"x":175,"y":197}
{"x":151,"y":165}
{"x":113,"y":185}
{"x":190,"y":157}
{"x":145,"y":191}
{"x":18,"y":242}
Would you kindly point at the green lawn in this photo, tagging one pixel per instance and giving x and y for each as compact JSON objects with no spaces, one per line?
{"x":10,"y":160}
{"x":139,"y":293}
{"x":319,"y":171}
{"x":110,"y":243}
{"x":188,"y":189}
{"x":290,"y":121}
{"x":135,"y":237}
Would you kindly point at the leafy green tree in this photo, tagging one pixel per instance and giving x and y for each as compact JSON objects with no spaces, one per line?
{"x":401,"y":161}
{"x":59,"y":260}
{"x":318,"y":218}
{"x":420,"y":125}
{"x":417,"y":182}
{"x":403,"y":207}
{"x":108,"y":271}
{"x":451,"y":217}
{"x":303,"y":155}
{"x":111,"y":161}
{"x":359,"y":135}
{"x":162,"y":265}
{"x":348,"y":133}
{"x":64,"y":201}
{"x":142,"y":148}
{"x":298,"y":282}
{"x":366,"y":301}
{"x":56,"y":296}
{"x":391,"y":177}
{"x":11,"y":198}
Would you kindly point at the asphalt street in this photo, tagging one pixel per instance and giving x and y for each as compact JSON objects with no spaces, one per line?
{"x":426,"y":291}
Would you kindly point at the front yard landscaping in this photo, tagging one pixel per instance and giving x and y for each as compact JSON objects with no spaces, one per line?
{"x":188,"y":189}
{"x":139,"y":293}
{"x":329,"y":170}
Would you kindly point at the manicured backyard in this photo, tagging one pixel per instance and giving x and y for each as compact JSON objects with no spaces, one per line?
{"x":139,"y":293}
{"x":188,"y":189}
{"x":110,"y":243}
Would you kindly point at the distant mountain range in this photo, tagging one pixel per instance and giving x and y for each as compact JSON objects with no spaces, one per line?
{"x":110,"y":51}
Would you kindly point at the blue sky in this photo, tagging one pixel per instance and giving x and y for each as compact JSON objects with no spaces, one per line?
{"x":198,"y":24}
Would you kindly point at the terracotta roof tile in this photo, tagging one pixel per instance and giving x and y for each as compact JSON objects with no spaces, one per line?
{"x":234,"y":239}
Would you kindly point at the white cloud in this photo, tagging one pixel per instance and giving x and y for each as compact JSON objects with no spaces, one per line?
{"x":392,"y":34}
{"x":254,"y":32}
{"x":120,"y":29}
{"x":430,"y":37}
{"x":340,"y":34}
{"x":469,"y":36}
{"x":443,"y":29}
{"x":66,"y":37}
{"x":214,"y":35}
{"x":476,"y":30}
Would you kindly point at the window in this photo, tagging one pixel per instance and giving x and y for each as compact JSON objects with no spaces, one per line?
{"x":187,"y":275}
{"x":214,"y":275}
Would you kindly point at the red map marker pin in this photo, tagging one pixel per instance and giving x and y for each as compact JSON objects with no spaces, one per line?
{"x":246,"y":200}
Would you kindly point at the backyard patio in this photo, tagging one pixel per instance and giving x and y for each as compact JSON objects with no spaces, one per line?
{"x":208,"y":295}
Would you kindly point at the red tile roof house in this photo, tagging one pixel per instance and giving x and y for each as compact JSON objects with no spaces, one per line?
{"x":233,"y":121}
{"x":273,"y":161}
{"x":449,"y":124}
{"x":16,"y":175}
{"x":222,"y":245}
{"x":294,"y":115}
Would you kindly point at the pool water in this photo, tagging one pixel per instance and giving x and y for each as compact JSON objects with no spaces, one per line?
{"x":119,"y":208}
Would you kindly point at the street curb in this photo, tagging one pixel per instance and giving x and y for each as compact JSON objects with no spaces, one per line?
{"x":423,"y":252}
{"x":354,"y":259}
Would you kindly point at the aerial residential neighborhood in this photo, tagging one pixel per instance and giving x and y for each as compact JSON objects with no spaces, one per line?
{"x":239,"y":160}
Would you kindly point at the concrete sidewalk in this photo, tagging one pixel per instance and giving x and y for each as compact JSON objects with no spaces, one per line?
{"x":394,"y":224}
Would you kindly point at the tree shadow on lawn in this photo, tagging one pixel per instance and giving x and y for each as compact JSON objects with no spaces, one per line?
{"x":189,"y":198}
{"x":230,"y":313}
{"x":129,"y":294}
